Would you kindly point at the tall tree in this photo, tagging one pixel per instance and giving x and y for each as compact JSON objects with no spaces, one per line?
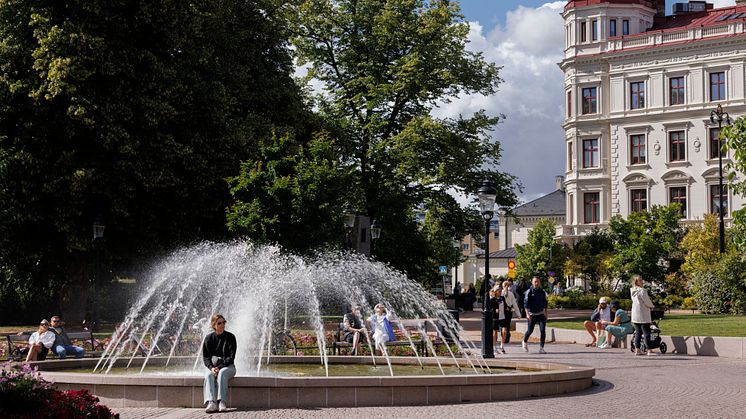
{"x":589,"y":258}
{"x":646,"y":243}
{"x":734,"y":142}
{"x":541,"y":254}
{"x":133,"y":111}
{"x":384,"y":66}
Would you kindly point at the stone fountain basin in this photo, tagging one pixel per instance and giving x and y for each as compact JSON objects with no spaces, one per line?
{"x":531,"y":379}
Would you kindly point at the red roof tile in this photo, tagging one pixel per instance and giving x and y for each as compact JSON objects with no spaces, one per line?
{"x":695,"y":20}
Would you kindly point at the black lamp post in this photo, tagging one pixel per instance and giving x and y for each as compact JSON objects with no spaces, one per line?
{"x":487,"y":194}
{"x":375,"y":234}
{"x":349,"y":219}
{"x":718,"y":115}
{"x":98,"y":235}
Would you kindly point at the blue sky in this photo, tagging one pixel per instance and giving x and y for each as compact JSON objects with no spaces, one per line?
{"x":491,"y":12}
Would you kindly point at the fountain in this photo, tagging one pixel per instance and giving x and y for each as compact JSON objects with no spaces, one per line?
{"x":276,"y":305}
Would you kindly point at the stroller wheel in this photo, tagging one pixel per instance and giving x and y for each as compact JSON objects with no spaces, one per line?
{"x":663,"y":347}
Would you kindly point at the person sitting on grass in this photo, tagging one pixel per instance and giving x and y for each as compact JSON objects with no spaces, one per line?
{"x":39,"y":342}
{"x":619,"y":328}
{"x":595,"y":325}
{"x":62,"y":344}
{"x":353,"y":329}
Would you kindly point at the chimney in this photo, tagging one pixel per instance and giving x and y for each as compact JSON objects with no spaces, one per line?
{"x":559,"y":183}
{"x":660,"y":8}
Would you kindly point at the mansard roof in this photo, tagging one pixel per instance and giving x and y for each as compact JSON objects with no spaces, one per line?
{"x":550,"y":204}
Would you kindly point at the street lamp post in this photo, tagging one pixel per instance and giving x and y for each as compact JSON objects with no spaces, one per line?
{"x":375,"y":234}
{"x":487,"y":194}
{"x":349,"y":219}
{"x":98,"y":235}
{"x":718,"y":115}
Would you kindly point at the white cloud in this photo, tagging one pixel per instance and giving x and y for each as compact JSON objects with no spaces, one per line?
{"x":528,"y":47}
{"x":722,"y":3}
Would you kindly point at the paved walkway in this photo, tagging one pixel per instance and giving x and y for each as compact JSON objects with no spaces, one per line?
{"x":625,"y":386}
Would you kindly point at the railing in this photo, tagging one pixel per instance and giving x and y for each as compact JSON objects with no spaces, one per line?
{"x":660,"y":38}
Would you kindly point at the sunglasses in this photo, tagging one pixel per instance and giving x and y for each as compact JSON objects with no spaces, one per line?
{"x":43,"y":324}
{"x":220,"y":323}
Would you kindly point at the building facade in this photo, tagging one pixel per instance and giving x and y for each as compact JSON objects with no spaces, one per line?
{"x":640,"y":86}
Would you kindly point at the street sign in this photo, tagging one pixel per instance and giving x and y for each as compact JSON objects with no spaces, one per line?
{"x":511,"y":264}
{"x":511,"y":274}
{"x":443,"y":269}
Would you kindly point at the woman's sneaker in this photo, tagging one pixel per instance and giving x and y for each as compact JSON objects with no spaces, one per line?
{"x":502,"y":350}
{"x":212,"y":407}
{"x":222,"y":407}
{"x":605,"y":346}
{"x":525,"y":346}
{"x":542,"y":351}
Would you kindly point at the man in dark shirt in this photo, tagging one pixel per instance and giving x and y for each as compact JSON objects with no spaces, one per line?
{"x":353,"y":329}
{"x":535,"y":302}
{"x":62,"y":344}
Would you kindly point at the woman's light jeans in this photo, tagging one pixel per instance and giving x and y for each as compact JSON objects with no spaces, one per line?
{"x":221,"y":392}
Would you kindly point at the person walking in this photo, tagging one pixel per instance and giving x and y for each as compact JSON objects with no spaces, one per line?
{"x":535,"y":303}
{"x":641,"y":318}
{"x":511,"y":310}
{"x":218,"y":355}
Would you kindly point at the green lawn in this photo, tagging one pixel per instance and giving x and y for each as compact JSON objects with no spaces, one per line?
{"x":682,"y":325}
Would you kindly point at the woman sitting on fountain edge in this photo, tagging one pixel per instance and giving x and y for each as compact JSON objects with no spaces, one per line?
{"x":218,"y":354}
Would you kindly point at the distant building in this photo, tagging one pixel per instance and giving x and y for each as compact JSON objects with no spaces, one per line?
{"x":512,"y":230}
{"x":639,"y":89}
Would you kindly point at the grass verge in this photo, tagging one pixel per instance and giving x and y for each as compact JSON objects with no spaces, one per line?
{"x":681,"y":325}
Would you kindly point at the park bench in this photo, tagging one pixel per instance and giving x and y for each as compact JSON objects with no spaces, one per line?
{"x":17,"y":343}
{"x":338,"y":342}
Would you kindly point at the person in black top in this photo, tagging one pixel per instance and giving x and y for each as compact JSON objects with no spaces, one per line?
{"x":535,"y":303}
{"x":353,"y":329}
{"x":218,"y":354}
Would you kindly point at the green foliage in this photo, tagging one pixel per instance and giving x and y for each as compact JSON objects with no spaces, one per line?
{"x":689,"y":303}
{"x":589,"y":258}
{"x":671,"y":301}
{"x":701,"y":246}
{"x":646,"y":243}
{"x":384,"y":66}
{"x":541,"y":254}
{"x":735,"y":145}
{"x":292,"y":195}
{"x":135,"y":112}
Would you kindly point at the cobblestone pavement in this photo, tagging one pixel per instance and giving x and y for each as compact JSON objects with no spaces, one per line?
{"x":625,"y":386}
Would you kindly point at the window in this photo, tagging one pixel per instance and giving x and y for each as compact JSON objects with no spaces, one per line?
{"x":716,"y":148}
{"x":594,"y":30}
{"x":590,"y":100}
{"x":590,"y":153}
{"x":715,"y":200}
{"x":569,"y":156}
{"x":465,"y":246}
{"x":677,"y":195}
{"x":583,"y":31}
{"x":591,"y":207}
{"x":676,"y":146}
{"x":639,"y":200}
{"x":717,"y":86}
{"x":637,"y":95}
{"x":676,"y":90}
{"x":612,"y":27}
{"x":569,"y":104}
{"x":637,"y":149}
{"x":625,"y":27}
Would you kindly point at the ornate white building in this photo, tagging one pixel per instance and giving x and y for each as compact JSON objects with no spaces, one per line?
{"x":639,"y":89}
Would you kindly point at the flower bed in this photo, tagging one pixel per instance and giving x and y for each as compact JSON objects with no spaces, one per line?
{"x":25,"y":394}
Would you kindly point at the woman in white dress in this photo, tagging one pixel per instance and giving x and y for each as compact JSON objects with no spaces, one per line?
{"x":382,"y":331}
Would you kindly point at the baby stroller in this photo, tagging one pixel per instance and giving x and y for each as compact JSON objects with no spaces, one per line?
{"x":655,"y":334}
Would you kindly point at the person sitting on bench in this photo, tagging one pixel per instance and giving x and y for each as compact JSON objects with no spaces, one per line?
{"x":62,"y":344}
{"x":353,"y":329}
{"x":595,"y":325}
{"x":39,"y":342}
{"x":381,"y":327}
{"x":619,"y":328}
